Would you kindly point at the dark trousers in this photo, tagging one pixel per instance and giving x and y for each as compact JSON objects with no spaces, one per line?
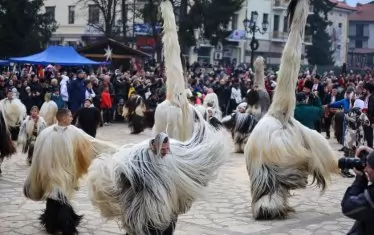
{"x":107,"y":115}
{"x":318,"y":126}
{"x":327,"y":124}
{"x":168,"y":231}
{"x":368,"y":132}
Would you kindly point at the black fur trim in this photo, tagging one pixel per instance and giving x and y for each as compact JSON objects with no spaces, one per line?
{"x":60,"y":217}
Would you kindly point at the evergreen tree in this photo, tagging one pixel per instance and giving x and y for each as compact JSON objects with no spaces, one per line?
{"x":320,"y":53}
{"x":212,"y":16}
{"x":23,"y":29}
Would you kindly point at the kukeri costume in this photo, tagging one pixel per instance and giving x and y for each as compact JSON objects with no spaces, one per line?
{"x":134,"y":111}
{"x":48,"y":110}
{"x":146,"y":191}
{"x":29,"y":131}
{"x":62,"y":155}
{"x":7,"y":147}
{"x":14,"y":111}
{"x":281,"y":152}
{"x":175,"y":115}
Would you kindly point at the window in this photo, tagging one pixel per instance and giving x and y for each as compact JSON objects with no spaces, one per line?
{"x":285,"y":24}
{"x":265,"y":17}
{"x":50,"y":12}
{"x":93,"y":14}
{"x":276,"y":23}
{"x":359,"y":30}
{"x":358,"y":43}
{"x":234,"y":21}
{"x":71,"y":16}
{"x":340,"y":25}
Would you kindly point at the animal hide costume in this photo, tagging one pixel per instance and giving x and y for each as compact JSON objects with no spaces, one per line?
{"x":146,"y":190}
{"x":173,"y":116}
{"x":258,"y":99}
{"x":211,"y":100}
{"x":281,"y":152}
{"x":48,"y":112}
{"x":134,"y":111}
{"x":62,"y":155}
{"x":29,"y":131}
{"x":14,"y":111}
{"x":240,"y":125}
{"x":7,"y":147}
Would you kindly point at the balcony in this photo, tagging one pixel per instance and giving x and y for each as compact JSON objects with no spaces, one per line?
{"x":279,"y":5}
{"x":279,"y":36}
{"x":282,"y":37}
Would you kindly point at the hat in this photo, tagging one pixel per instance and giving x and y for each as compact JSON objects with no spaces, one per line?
{"x":80,"y":71}
{"x":335,"y":86}
{"x":300,"y":96}
{"x":317,"y":76}
{"x":308,"y":84}
{"x":88,"y":99}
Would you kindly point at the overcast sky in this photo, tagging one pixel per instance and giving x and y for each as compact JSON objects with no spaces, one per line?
{"x":353,"y":2}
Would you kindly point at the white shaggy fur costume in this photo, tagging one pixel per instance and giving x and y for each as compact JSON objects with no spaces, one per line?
{"x":48,"y":110}
{"x":281,"y":152}
{"x":258,"y":98}
{"x":61,"y":157}
{"x":14,"y":111}
{"x":211,"y":100}
{"x":144,"y":190}
{"x":28,"y":133}
{"x":173,"y":116}
{"x":7,"y":147}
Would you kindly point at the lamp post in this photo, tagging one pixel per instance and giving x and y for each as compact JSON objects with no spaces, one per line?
{"x":250,"y":26}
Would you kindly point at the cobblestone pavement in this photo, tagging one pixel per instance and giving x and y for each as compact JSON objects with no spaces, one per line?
{"x":224,"y":211}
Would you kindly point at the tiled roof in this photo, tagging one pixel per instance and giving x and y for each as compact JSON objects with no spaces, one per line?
{"x":365,"y":12}
{"x":363,"y":50}
{"x":343,"y":5}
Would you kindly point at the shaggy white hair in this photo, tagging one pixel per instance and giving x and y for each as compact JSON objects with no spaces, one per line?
{"x":14,"y":111}
{"x":140,"y":188}
{"x":281,"y":152}
{"x":48,"y":112}
{"x":212,"y":99}
{"x":61,"y":156}
{"x":174,"y":115}
{"x":27,"y":128}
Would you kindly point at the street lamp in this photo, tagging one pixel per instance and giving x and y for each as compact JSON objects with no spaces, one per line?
{"x":250,"y":26}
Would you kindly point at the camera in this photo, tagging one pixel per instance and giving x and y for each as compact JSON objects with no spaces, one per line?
{"x":350,"y":163}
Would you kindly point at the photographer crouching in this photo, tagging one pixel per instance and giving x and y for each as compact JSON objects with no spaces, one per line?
{"x":358,"y":200}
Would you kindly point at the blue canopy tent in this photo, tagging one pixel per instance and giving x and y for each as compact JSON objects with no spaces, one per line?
{"x":59,"y":55}
{"x":4,"y":62}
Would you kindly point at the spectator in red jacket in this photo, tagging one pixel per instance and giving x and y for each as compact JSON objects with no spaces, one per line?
{"x":106,"y":105}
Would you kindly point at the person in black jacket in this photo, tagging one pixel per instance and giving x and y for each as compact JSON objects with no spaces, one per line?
{"x":358,"y":200}
{"x":369,"y":106}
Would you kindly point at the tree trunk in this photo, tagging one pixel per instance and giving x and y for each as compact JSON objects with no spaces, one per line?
{"x":182,"y":16}
{"x":124,"y":11}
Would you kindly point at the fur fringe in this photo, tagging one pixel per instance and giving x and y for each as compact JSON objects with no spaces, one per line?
{"x":174,"y":115}
{"x":48,"y":112}
{"x":140,"y":189}
{"x":7,"y":147}
{"x":212,"y":99}
{"x":14,"y":112}
{"x":259,"y":66}
{"x":292,"y":151}
{"x":61,"y":156}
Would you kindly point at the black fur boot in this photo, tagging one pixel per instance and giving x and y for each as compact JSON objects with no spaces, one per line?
{"x":60,"y":217}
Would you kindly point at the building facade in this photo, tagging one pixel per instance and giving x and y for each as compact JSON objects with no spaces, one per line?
{"x":338,"y":30}
{"x":271,"y":42}
{"x":361,"y":36}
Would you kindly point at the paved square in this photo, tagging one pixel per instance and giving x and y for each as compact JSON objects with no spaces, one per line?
{"x":224,"y":211}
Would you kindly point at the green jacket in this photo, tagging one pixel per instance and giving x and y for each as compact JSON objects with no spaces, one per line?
{"x":308,"y":114}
